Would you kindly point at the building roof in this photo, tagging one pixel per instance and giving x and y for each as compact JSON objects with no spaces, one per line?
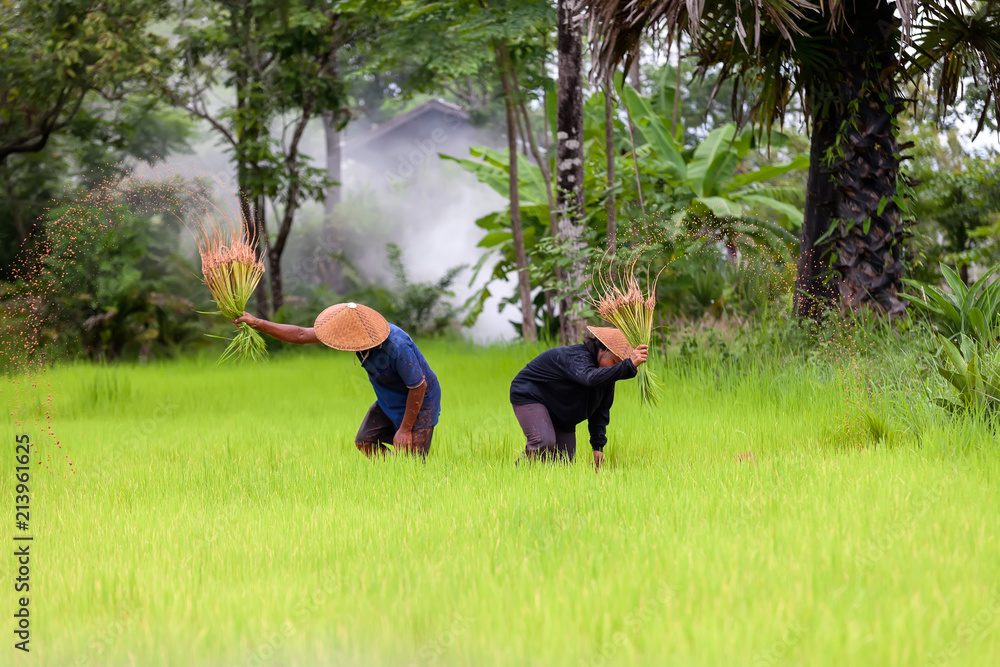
{"x":382,"y":130}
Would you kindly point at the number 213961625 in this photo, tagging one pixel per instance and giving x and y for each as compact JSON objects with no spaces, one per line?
{"x":23,"y":475}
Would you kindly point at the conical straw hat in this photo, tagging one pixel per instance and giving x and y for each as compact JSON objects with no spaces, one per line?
{"x":613,"y":339}
{"x":351,"y":327}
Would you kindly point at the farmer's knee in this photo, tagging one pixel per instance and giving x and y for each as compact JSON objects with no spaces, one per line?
{"x":543,"y":442}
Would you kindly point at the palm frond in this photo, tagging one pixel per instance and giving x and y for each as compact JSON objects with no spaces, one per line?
{"x":616,"y":26}
{"x":960,"y":40}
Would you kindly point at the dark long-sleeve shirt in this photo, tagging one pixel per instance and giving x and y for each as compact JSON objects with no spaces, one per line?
{"x":568,"y":381}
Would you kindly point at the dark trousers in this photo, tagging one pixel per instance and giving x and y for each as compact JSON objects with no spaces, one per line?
{"x":377,"y":430}
{"x":544,"y":441}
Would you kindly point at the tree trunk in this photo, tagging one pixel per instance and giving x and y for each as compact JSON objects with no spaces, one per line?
{"x":528,"y":331}
{"x":274,"y":277}
{"x":677,"y":91}
{"x":553,"y":303}
{"x":610,"y":205}
{"x":865,"y":249}
{"x":634,"y":73}
{"x":250,"y":211}
{"x":263,"y":250}
{"x":569,"y":158}
{"x":333,"y":121}
{"x":15,"y":210}
{"x":329,"y":271}
{"x":543,"y":166}
{"x":333,"y":161}
{"x":541,"y":160}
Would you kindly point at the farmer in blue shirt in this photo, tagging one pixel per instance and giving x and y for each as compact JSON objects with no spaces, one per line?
{"x":407,"y":393}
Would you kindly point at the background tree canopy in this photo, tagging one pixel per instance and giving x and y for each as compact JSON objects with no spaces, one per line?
{"x":771,"y":133}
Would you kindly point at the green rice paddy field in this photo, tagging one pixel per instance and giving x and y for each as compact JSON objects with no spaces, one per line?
{"x":222,"y":516}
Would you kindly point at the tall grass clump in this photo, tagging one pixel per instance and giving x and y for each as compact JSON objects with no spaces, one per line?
{"x":621,"y":302}
{"x":231,"y":270}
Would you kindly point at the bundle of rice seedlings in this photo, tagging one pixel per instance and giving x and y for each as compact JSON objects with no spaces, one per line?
{"x":622,"y":302}
{"x":231,"y":271}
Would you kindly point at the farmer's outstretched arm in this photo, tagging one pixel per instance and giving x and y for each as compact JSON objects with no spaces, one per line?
{"x":287,"y":333}
{"x":583,"y":370}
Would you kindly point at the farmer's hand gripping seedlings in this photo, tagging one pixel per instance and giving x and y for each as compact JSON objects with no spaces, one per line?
{"x":622,"y":303}
{"x":231,"y":271}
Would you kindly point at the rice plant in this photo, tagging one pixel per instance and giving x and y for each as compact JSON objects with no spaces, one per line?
{"x":810,"y":539}
{"x":231,"y":270}
{"x":622,"y":302}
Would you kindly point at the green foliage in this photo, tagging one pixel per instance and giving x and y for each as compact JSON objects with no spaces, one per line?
{"x":706,"y":190}
{"x":703,"y":192}
{"x":493,"y":169}
{"x":956,"y":199}
{"x":968,"y":323}
{"x":278,"y":58}
{"x":114,"y":280}
{"x":57,"y":54}
{"x":973,"y":369}
{"x":75,"y":105}
{"x":972,"y":311}
{"x":446,"y":47}
{"x":102,"y":144}
{"x":279,"y":61}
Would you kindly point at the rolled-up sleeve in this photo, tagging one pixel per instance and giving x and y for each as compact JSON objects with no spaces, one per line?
{"x":583,"y":370}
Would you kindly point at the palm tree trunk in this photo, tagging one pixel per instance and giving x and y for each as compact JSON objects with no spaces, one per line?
{"x":528,"y":331}
{"x":611,"y":206}
{"x":569,"y":156}
{"x":855,"y":189}
{"x":813,"y":293}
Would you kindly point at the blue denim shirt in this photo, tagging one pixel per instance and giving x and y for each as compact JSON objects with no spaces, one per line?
{"x":396,"y":366}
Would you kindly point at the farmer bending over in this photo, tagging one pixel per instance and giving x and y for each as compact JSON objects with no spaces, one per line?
{"x":407,"y":393}
{"x":564,"y":386}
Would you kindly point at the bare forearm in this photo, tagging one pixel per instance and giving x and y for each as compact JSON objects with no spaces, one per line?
{"x":414,"y":400}
{"x":287,"y":333}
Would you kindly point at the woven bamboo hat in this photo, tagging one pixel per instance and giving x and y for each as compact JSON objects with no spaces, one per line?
{"x":351,"y":327}
{"x":613,"y":339}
